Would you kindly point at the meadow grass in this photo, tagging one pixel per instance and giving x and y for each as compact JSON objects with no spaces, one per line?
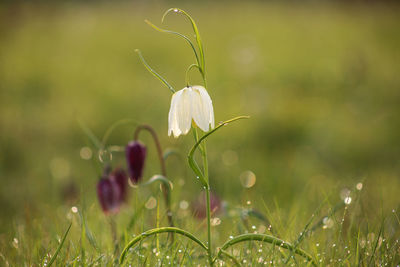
{"x":320,"y":83}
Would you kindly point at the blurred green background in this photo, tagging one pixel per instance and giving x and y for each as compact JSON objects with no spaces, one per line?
{"x":320,"y":81}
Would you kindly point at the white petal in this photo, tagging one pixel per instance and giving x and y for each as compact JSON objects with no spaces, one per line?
{"x":200,"y":110}
{"x":172,"y":122}
{"x":183,"y":111}
{"x":208,"y":107}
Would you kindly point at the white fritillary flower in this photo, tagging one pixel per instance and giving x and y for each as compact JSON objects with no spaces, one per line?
{"x":192,"y":103}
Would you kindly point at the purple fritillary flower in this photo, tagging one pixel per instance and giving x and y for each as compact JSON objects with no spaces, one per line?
{"x":119,"y":177}
{"x":109,"y":195}
{"x":135,"y":157}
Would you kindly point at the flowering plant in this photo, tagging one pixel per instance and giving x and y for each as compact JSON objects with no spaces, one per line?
{"x":192,"y":108}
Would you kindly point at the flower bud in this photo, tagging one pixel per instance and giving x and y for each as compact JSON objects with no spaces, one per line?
{"x":119,"y":177}
{"x":109,"y":195}
{"x":135,"y":156}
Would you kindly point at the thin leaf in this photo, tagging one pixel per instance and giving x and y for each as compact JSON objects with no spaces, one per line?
{"x":60,"y":246}
{"x":155,"y":74}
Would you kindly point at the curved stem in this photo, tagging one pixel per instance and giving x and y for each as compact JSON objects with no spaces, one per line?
{"x":162,"y":164}
{"x":150,"y":232}
{"x":187,"y":73}
{"x":156,"y":141}
{"x":268,"y":239}
{"x":176,"y":33}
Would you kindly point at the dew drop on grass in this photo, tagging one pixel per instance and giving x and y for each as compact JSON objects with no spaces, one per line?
{"x":253,"y":227}
{"x":317,"y":244}
{"x":248,"y":202}
{"x":74,"y":209}
{"x":347,"y":200}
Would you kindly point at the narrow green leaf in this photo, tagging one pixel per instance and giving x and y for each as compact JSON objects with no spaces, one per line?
{"x":53,"y":258}
{"x":155,"y":74}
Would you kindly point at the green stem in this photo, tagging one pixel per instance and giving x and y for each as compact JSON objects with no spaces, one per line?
{"x":151,"y":232}
{"x":209,"y":252}
{"x":205,"y":172}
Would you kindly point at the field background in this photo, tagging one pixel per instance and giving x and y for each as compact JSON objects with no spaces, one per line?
{"x":320,"y":81}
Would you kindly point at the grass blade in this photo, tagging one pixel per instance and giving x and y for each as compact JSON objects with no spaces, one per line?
{"x":53,"y":258}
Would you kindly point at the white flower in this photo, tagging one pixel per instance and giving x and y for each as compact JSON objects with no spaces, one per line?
{"x":190,"y":103}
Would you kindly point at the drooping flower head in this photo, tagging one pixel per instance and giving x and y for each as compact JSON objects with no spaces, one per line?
{"x":112,"y":189}
{"x":135,"y":157}
{"x":109,"y":195}
{"x":119,"y":177}
{"x":190,"y":104}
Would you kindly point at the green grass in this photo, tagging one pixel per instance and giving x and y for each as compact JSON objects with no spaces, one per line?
{"x":319,"y":81}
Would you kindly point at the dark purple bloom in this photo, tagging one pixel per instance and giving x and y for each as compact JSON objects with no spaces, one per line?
{"x":109,"y":194}
{"x":200,"y":205}
{"x":119,"y":177}
{"x":135,"y":157}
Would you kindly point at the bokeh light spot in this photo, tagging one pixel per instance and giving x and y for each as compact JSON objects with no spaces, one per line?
{"x":86,"y":153}
{"x":248,"y":179}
